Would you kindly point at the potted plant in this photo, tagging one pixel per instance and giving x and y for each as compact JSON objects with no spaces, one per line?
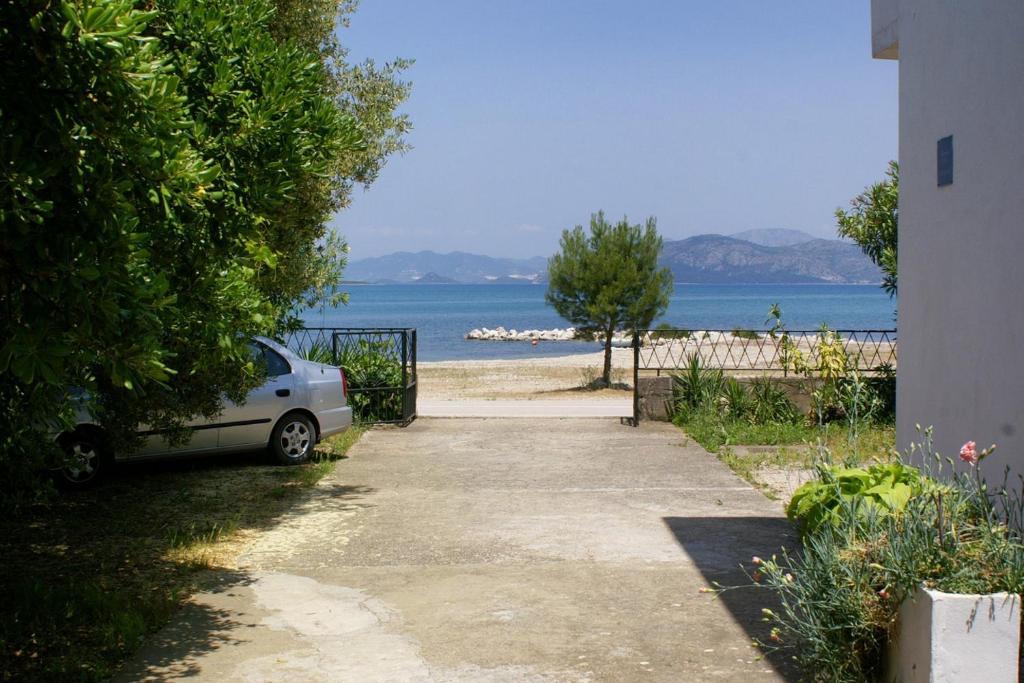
{"x":902,"y":574}
{"x":944,"y":630}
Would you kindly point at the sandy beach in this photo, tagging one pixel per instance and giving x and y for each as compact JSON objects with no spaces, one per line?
{"x":546,"y":378}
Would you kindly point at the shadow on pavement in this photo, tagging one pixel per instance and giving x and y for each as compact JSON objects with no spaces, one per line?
{"x":718,"y":547}
{"x":196,"y":629}
{"x":86,"y":576}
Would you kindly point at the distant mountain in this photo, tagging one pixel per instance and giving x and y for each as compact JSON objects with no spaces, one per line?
{"x":457,"y":266}
{"x":721,"y":259}
{"x":774,"y":237}
{"x":703,"y":258}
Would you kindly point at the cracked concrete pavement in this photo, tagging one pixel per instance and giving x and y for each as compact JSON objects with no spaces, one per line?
{"x":459,"y":550}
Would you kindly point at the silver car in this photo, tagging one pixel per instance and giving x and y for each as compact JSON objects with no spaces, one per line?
{"x":301,"y":403}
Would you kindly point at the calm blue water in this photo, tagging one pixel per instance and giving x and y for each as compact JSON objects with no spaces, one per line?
{"x":443,"y":314}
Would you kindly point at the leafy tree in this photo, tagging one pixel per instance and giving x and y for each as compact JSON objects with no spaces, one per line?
{"x":872,"y":223}
{"x":168,"y":175}
{"x":609,"y":279}
{"x":370,"y":93}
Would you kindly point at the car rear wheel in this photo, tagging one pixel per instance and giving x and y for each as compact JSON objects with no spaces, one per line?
{"x":84,"y":460}
{"x":293,"y":439}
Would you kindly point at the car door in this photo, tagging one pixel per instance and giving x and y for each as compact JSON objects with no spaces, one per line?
{"x":204,"y":438}
{"x":249,"y":424}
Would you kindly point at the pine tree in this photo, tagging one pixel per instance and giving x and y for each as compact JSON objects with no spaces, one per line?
{"x":609,"y":280}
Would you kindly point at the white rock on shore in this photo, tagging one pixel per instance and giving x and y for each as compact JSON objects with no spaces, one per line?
{"x":569,"y":334}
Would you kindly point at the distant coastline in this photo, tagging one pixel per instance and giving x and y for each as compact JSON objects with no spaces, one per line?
{"x":755,"y":257}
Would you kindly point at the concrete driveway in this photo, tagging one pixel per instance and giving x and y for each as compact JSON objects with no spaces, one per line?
{"x":462,"y":550}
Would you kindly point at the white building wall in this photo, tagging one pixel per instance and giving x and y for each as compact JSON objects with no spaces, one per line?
{"x":961,"y":247}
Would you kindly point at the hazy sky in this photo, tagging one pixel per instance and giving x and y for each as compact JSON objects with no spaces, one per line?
{"x":711,"y":116}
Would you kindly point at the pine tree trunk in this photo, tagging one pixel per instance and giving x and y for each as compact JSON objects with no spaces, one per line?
{"x":608,"y":357}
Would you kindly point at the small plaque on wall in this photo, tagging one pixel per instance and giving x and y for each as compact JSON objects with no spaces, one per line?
{"x":945,"y":161}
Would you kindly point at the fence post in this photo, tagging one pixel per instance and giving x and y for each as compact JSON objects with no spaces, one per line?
{"x":636,"y":377}
{"x":415,"y":376}
{"x":411,"y":410}
{"x":405,"y":372}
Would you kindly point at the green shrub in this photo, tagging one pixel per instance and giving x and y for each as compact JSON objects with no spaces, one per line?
{"x":707,"y":390}
{"x":857,"y":399}
{"x":877,"y":490}
{"x":829,"y":615}
{"x":745,"y":334}
{"x":770,"y":403}
{"x":696,"y":388}
{"x":318,"y":352}
{"x":666,"y":331}
{"x":883,"y":385}
{"x":738,"y":404}
{"x":375,"y":380}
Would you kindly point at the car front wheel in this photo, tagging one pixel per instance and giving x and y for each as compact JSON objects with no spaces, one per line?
{"x":83,"y":460}
{"x":293,"y":439}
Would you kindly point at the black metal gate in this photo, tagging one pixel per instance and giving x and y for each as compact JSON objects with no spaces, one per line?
{"x":379,"y":363}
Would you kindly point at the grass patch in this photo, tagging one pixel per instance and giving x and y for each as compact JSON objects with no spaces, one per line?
{"x":84,"y":579}
{"x":797,"y":445}
{"x":714,"y":433}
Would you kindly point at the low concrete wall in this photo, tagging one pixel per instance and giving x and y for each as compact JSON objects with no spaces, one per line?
{"x":656,"y":394}
{"x":655,"y":398}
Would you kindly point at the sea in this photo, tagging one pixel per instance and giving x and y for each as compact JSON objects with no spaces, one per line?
{"x":442,"y":314}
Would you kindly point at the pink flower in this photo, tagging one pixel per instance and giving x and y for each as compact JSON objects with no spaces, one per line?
{"x":884,"y":594}
{"x":969,"y":453}
{"x":756,"y":560}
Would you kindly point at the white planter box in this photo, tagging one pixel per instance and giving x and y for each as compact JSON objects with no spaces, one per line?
{"x":950,"y":637}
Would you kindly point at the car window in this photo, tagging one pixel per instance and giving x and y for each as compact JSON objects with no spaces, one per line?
{"x":274,"y":362}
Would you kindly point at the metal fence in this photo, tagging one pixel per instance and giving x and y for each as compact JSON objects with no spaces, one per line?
{"x":761,"y":353}
{"x":745,"y":353}
{"x":379,"y":363}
